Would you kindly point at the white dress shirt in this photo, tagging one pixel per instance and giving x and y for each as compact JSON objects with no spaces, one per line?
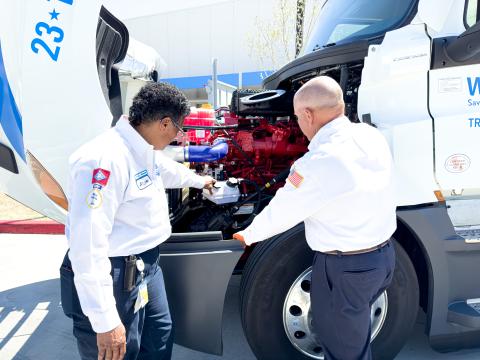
{"x":341,"y":188}
{"x":117,"y":207}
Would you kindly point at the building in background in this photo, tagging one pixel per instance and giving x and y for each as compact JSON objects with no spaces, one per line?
{"x":188,"y":34}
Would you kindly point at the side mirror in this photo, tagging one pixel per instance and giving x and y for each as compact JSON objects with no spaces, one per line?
{"x":465,"y":46}
{"x":457,"y":50}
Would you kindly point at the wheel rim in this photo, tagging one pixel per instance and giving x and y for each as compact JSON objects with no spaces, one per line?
{"x":297,"y":317}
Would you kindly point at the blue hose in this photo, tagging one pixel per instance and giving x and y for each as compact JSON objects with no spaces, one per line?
{"x":206,"y":153}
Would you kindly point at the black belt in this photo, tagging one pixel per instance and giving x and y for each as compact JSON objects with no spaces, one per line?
{"x":357,"y":252}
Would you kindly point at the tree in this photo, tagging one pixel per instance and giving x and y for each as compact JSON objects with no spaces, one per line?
{"x":273,"y":41}
{"x":300,"y":23}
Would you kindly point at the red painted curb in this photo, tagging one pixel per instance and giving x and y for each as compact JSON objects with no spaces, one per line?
{"x":31,"y":227}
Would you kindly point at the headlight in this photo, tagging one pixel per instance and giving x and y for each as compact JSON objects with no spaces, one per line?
{"x":47,"y":182}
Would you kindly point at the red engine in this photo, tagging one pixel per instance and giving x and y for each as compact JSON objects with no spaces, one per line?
{"x":258,"y":150}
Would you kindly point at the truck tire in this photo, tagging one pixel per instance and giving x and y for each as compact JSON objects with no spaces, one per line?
{"x":270,"y":274}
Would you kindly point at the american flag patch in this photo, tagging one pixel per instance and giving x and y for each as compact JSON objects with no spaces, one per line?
{"x":295,"y":178}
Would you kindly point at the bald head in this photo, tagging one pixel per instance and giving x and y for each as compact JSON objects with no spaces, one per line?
{"x":317,"y":102}
{"x":320,"y":93}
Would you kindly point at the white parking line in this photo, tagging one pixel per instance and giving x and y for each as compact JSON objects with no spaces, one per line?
{"x":13,"y":345}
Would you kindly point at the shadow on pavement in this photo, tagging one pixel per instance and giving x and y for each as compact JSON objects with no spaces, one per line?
{"x":32,"y":323}
{"x":34,"y":327}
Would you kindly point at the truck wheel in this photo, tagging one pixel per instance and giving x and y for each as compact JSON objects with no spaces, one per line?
{"x":275,"y":302}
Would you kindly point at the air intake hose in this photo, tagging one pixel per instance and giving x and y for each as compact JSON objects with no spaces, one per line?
{"x":198,"y":153}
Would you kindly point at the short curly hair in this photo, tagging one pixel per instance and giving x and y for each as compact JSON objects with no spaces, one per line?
{"x":155,"y":101}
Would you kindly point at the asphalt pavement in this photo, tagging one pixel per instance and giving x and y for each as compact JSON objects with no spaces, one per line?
{"x":33,"y":327}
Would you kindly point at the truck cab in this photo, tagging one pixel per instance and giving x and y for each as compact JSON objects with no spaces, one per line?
{"x":408,"y":68}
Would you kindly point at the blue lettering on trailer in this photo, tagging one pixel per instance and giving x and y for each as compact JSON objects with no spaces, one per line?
{"x":10,"y":118}
{"x":47,"y":34}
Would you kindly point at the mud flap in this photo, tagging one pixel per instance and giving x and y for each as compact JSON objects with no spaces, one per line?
{"x":196,"y":277}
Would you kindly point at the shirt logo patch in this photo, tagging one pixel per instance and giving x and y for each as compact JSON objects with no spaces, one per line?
{"x":94,"y":199}
{"x":100,"y":176}
{"x":295,"y":178}
{"x":143,"y":180}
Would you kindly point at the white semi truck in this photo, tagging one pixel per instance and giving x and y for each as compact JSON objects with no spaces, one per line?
{"x":411,"y":68}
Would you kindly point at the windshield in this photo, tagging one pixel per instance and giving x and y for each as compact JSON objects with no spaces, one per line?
{"x":342,"y":21}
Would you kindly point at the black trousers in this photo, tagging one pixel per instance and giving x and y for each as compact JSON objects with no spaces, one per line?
{"x":343,"y":289}
{"x":149,"y":331}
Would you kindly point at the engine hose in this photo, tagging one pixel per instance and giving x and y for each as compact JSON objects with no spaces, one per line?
{"x":204,"y":127}
{"x":201,"y":153}
{"x":248,"y":158}
{"x":197,"y":153}
{"x":280,"y":177}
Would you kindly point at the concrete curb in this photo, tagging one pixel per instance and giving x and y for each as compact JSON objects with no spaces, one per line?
{"x":31,"y":227}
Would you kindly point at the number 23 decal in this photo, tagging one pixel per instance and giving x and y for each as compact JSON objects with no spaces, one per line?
{"x":41,"y":29}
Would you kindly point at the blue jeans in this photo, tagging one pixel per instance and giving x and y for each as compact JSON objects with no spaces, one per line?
{"x":149,"y":331}
{"x":343,"y":289}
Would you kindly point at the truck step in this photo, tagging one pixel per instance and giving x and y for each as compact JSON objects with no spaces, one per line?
{"x":466,"y":313}
{"x":465,"y":216}
{"x":471,"y":234}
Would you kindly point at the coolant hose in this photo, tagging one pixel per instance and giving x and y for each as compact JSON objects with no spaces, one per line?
{"x":197,"y":153}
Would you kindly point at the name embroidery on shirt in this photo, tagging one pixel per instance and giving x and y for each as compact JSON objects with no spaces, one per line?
{"x":143,"y":180}
{"x":295,"y":178}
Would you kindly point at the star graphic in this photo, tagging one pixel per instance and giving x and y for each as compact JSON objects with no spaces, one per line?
{"x":54,"y":15}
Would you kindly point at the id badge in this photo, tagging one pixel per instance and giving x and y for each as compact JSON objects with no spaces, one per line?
{"x":142,"y":297}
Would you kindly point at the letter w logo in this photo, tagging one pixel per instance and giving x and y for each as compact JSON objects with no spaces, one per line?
{"x":473,"y":88}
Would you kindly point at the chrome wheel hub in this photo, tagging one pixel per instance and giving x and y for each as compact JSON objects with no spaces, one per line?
{"x":297,"y":317}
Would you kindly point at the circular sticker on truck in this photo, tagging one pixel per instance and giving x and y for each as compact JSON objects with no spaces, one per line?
{"x":457,"y":163}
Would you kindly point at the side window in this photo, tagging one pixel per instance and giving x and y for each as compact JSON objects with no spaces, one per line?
{"x":471,"y":13}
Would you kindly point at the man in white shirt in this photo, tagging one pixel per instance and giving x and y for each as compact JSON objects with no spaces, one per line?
{"x":342,"y":189}
{"x":112,"y":284}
